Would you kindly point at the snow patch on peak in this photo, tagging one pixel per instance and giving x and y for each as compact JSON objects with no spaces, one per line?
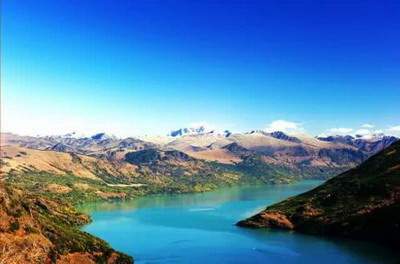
{"x":198,"y":129}
{"x":188,"y":131}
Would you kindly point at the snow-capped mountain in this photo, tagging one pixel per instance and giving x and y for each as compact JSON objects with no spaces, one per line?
{"x":369,"y":143}
{"x":97,"y":144}
{"x":279,"y":148}
{"x":197,"y":130}
{"x":189,"y":131}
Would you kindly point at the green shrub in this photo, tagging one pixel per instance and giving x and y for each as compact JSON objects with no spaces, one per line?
{"x":14,"y":226}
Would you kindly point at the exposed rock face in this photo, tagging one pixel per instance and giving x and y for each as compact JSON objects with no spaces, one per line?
{"x":361,"y":203}
{"x":283,"y":136}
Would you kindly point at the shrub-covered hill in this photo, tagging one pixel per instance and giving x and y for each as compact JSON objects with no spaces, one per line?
{"x":34,"y":229}
{"x":363,"y":203}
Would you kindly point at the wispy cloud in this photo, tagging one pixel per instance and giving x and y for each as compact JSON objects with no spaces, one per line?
{"x":365,"y":130}
{"x":367,"y":126}
{"x":284,"y":126}
{"x":394,"y":128}
{"x":339,"y":131}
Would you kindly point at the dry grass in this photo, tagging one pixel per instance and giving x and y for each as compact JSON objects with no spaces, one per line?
{"x":219,"y":155}
{"x":57,"y":188}
{"x":21,"y":159}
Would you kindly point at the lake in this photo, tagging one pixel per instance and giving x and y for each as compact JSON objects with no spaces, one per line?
{"x":199,"y":228}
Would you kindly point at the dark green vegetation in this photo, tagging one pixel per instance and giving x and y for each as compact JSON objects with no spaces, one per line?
{"x":71,"y":188}
{"x":35,"y":229}
{"x":363,"y":203}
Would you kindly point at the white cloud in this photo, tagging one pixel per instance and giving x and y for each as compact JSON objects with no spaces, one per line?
{"x":363,"y":132}
{"x":284,"y":126}
{"x":367,"y":126}
{"x":339,"y":131}
{"x":394,"y":128}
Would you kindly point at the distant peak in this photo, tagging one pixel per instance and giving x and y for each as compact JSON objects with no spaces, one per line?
{"x":101,"y":136}
{"x":197,"y":130}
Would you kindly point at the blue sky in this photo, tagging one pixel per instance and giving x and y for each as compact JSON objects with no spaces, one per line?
{"x":146,"y":67}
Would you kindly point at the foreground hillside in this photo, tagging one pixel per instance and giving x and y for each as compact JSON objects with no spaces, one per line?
{"x":361,"y":203}
{"x":34,"y":229}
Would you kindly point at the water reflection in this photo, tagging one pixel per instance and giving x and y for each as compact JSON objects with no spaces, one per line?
{"x":223,"y":195}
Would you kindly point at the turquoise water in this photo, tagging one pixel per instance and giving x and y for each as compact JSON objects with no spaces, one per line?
{"x":199,"y":228}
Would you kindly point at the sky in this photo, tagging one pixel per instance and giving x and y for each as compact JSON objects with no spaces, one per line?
{"x":147,"y":67}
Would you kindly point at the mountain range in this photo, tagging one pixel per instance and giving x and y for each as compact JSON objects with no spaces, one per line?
{"x":319,"y":157}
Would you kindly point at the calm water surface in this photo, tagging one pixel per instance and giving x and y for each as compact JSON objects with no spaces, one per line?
{"x":199,"y":228}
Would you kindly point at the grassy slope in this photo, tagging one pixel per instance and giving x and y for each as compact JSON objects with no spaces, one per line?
{"x":361,"y":203}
